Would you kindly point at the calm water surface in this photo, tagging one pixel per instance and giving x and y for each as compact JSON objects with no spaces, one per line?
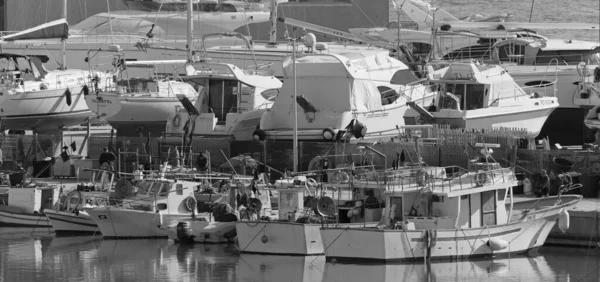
{"x":38,"y":256}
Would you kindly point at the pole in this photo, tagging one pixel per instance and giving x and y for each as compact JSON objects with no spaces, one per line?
{"x":295,"y":107}
{"x":63,"y":43}
{"x":190,"y":27}
{"x":273,"y":20}
{"x":531,"y":11}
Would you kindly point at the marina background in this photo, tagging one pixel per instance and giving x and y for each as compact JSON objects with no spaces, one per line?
{"x":33,"y":255}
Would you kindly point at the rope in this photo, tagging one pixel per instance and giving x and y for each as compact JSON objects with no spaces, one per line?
{"x":330,"y":244}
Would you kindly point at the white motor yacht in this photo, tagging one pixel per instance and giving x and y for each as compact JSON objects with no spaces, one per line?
{"x":477,"y":96}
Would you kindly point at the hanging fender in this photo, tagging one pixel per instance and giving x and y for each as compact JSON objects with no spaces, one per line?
{"x":68,"y":96}
{"x":359,"y":129}
{"x":176,"y":122}
{"x":563,"y":221}
{"x":259,"y":135}
{"x":422,"y":177}
{"x":496,"y":244}
{"x":158,"y":219}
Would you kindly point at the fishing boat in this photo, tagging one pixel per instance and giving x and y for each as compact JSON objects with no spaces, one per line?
{"x":221,"y":227}
{"x":71,"y":215}
{"x":451,"y":212}
{"x":25,"y":205}
{"x":230,"y":103}
{"x":343,"y":96}
{"x":476,"y":96}
{"x":157,"y":204}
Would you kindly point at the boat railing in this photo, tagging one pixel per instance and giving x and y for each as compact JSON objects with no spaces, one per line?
{"x":437,"y":179}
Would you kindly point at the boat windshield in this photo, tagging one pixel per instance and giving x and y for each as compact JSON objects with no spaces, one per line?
{"x":154,"y":189}
{"x":14,"y":64}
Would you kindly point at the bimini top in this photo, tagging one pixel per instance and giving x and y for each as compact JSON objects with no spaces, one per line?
{"x":459,"y":71}
{"x":350,"y":65}
{"x":208,"y":69}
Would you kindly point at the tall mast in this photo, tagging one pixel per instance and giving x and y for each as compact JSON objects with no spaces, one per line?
{"x":295,"y":106}
{"x":273,"y":20}
{"x":190,"y":27}
{"x":63,"y":45}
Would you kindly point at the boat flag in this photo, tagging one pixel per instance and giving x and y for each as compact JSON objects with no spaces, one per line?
{"x":73,"y":146}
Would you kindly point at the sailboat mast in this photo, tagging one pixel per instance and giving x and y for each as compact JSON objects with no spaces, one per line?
{"x":190,"y":27}
{"x":273,"y":20}
{"x":63,"y":45}
{"x":295,"y":106}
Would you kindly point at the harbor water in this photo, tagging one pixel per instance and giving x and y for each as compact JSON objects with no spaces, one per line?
{"x":28,"y":255}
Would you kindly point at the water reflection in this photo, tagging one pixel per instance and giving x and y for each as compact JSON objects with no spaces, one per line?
{"x":46,"y":258}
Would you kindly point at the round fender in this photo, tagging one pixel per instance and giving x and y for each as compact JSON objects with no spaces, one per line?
{"x":496,"y":244}
{"x":259,"y":135}
{"x":328,"y":133}
{"x":359,"y":129}
{"x":190,"y":203}
{"x":176,"y":121}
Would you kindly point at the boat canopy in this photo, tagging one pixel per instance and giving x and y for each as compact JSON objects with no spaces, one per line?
{"x":341,"y":82}
{"x":246,"y":77}
{"x":58,"y":29}
{"x":103,"y":23}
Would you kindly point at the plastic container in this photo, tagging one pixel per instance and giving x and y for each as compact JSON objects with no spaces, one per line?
{"x":527,"y":187}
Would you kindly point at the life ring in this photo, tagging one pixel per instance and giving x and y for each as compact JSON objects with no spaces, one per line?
{"x":176,"y":122}
{"x":481,"y":178}
{"x":311,"y":182}
{"x":422,"y":177}
{"x":341,"y":177}
{"x":190,"y":203}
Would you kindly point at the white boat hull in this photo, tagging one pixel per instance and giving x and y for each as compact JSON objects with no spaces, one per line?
{"x":206,"y":232}
{"x":531,"y":119}
{"x":399,"y":245}
{"x":239,"y":126}
{"x":126,"y":223}
{"x":379,"y":124}
{"x":23,"y":220}
{"x":282,"y":238}
{"x":45,"y":110}
{"x":69,"y":222}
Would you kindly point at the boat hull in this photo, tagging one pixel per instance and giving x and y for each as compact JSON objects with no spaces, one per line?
{"x":46,"y":110}
{"x":239,"y":126}
{"x":69,"y":222}
{"x":23,"y":220}
{"x":399,"y":245}
{"x":126,"y":223}
{"x":282,"y":238}
{"x":142,"y":115}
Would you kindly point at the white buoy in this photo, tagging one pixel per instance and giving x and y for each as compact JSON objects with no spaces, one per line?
{"x":563,"y":221}
{"x":158,"y":219}
{"x":496,"y":244}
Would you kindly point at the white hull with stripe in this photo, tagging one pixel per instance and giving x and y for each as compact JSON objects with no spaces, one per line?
{"x":70,"y":222}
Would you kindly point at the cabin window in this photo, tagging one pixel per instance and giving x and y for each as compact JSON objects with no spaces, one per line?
{"x":488,"y":208}
{"x":403,"y":77}
{"x":179,"y":189}
{"x":388,"y":95}
{"x":161,"y":206}
{"x":501,"y":194}
{"x":450,"y":103}
{"x":398,"y":210}
{"x":474,"y":97}
{"x":566,"y":57}
{"x":223,"y":98}
{"x":512,"y":53}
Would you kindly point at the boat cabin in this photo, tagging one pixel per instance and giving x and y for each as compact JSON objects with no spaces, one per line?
{"x":471,"y":198}
{"x":155,"y":195}
{"x":14,"y":69}
{"x":31,"y":200}
{"x":536,"y":51}
{"x":79,"y":200}
{"x":226,"y":90}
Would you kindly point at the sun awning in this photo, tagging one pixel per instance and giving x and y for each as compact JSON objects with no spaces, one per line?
{"x":51,"y":30}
